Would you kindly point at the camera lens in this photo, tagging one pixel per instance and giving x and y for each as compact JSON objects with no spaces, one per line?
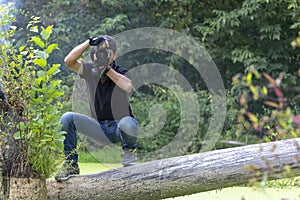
{"x":102,"y":54}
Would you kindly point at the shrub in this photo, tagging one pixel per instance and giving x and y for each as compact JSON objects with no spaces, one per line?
{"x":31,"y":141}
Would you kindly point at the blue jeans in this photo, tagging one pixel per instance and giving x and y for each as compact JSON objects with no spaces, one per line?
{"x":124,"y":131}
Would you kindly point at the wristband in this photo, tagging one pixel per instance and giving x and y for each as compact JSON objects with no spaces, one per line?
{"x":106,"y":69}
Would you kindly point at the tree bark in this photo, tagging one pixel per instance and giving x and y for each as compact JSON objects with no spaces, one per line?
{"x":185,"y":175}
{"x":27,"y":188}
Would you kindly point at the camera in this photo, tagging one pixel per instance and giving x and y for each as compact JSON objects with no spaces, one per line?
{"x":103,"y":55}
{"x":100,"y":57}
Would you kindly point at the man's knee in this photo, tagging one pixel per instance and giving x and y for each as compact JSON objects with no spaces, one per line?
{"x":129,"y":125}
{"x":66,"y":118}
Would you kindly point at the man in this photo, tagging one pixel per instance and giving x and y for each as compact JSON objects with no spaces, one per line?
{"x":112,"y":120}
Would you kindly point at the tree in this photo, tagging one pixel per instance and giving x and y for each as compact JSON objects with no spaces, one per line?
{"x":256,"y":33}
{"x":185,"y":175}
{"x":237,"y":34}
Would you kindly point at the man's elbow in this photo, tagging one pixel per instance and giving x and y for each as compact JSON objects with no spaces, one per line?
{"x":128,"y":87}
{"x":68,"y":61}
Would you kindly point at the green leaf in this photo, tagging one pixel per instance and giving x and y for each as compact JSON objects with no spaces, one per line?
{"x":249,"y":78}
{"x":34,"y":29}
{"x":264,"y":90}
{"x":38,"y":41}
{"x":22,"y":126}
{"x":55,"y":83}
{"x":40,"y":121}
{"x":41,"y":73}
{"x":54,"y":69}
{"x":40,"y":62}
{"x":54,"y":94}
{"x":282,"y":123}
{"x":41,"y":90}
{"x":253,"y":89}
{"x":21,"y":48}
{"x":39,"y":80}
{"x":17,"y":135}
{"x":59,"y":93}
{"x":41,"y":54}
{"x":46,"y":32}
{"x":50,"y":48}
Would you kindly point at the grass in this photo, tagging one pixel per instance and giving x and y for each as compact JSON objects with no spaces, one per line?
{"x":88,"y":168}
{"x":107,"y":154}
{"x":231,"y":193}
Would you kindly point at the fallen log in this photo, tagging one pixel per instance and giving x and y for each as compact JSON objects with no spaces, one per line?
{"x":185,"y":175}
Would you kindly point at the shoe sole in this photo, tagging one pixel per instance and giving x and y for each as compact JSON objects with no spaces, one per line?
{"x":66,"y":178}
{"x":128,"y":165}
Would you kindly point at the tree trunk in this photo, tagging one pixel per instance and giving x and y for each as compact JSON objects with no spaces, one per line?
{"x":184,"y":175}
{"x":23,"y":188}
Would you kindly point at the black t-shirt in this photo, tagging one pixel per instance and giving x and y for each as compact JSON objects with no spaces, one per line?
{"x":107,"y":101}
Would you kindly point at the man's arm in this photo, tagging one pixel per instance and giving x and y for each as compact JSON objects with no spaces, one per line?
{"x":72,"y":59}
{"x":120,"y":80}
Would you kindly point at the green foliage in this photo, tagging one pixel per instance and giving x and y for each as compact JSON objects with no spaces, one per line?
{"x":158,"y":113}
{"x":30,"y":126}
{"x":46,"y":138}
{"x":279,"y":118}
{"x":237,"y":34}
{"x":231,"y":135}
{"x":257,"y":32}
{"x":284,"y":183}
{"x":161,"y":117}
{"x":296,"y":42}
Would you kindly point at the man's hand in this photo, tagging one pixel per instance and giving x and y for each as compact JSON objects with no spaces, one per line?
{"x":95,"y":41}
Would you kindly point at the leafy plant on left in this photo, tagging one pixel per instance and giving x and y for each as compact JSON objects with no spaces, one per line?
{"x":31,"y":143}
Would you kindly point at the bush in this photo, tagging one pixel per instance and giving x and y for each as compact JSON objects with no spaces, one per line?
{"x":275,"y":114}
{"x":31,"y":141}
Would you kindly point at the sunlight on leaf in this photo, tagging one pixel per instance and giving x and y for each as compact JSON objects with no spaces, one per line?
{"x":252,"y":117}
{"x":264,"y":90}
{"x":38,"y":41}
{"x":249,"y":78}
{"x":50,"y":48}
{"x":46,"y":32}
{"x":271,"y":103}
{"x":270,"y":79}
{"x":54,"y":69}
{"x":34,"y":29}
{"x":40,"y":62}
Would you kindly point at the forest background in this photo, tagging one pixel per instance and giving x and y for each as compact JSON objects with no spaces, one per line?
{"x":252,"y":42}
